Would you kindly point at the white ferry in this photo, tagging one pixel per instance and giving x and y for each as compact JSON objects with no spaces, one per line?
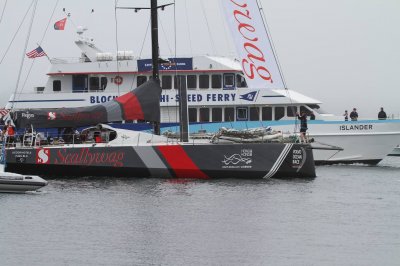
{"x":218,"y":96}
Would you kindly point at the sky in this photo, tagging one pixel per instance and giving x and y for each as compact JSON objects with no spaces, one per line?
{"x":344,"y":53}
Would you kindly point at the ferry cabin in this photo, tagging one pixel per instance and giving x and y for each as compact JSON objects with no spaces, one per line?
{"x":217,"y":90}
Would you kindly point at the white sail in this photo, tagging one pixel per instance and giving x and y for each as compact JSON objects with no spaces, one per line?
{"x":252,"y":44}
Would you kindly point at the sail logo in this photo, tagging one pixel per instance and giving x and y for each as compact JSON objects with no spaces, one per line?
{"x":251,"y":96}
{"x":252,"y":44}
{"x":43,"y":156}
{"x":51,"y":116}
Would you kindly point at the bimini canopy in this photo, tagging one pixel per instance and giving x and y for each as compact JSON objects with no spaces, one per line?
{"x":142,"y":103}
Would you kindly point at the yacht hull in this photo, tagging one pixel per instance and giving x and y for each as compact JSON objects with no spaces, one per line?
{"x":203,"y":161}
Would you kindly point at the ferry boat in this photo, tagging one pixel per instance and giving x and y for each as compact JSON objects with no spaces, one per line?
{"x":218,"y":97}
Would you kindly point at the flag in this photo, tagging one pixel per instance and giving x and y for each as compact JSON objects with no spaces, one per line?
{"x":4,"y":112}
{"x":60,"y":25}
{"x":38,"y":52}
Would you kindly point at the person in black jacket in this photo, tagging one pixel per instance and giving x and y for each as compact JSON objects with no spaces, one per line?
{"x":354,"y":115}
{"x":382,"y":114}
{"x":303,"y":126}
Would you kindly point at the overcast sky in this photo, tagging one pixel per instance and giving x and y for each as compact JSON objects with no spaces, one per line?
{"x":345,"y":53}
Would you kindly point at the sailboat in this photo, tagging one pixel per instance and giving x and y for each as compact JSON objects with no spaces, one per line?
{"x":108,"y":151}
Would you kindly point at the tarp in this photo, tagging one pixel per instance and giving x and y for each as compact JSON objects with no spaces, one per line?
{"x":142,"y":103}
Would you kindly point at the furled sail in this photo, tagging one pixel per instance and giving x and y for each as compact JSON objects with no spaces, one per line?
{"x":253,"y":44}
{"x":142,"y":103}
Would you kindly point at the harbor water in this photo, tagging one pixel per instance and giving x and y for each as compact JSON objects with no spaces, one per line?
{"x":348,"y":215}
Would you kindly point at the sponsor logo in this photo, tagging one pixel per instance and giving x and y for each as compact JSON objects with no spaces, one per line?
{"x":251,"y":96}
{"x":102,"y":99}
{"x":42,"y":156}
{"x":298,"y":158}
{"x":238,"y":160}
{"x":86,"y":157}
{"x":21,"y":156}
{"x":51,"y":116}
{"x":355,"y":127}
{"x":27,"y":115}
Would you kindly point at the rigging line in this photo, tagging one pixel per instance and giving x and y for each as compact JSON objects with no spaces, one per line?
{"x":188,"y":28}
{"x":144,"y":39}
{"x":264,"y":20}
{"x":116,"y":40}
{"x":165,"y":35}
{"x":15,"y":35}
{"x":25,"y":47}
{"x":69,"y":18}
{"x":208,"y":27}
{"x":40,"y":44}
{"x":2,"y":12}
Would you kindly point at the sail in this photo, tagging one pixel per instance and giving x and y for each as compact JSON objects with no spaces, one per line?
{"x":253,"y":44}
{"x":142,"y":103}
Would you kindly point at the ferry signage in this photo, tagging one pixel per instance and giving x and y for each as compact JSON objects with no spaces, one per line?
{"x":145,"y":65}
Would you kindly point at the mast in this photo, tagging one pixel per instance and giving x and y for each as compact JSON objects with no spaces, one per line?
{"x":155,"y":52}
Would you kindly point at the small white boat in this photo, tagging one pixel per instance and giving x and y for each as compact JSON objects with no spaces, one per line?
{"x":15,"y":183}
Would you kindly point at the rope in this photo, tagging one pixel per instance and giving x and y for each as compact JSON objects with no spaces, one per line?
{"x":165,"y":35}
{"x":25,"y":47}
{"x":116,"y":39}
{"x":188,"y":28}
{"x":2,"y":12}
{"x":144,"y":39}
{"x":208,"y":27}
{"x":40,"y":44}
{"x":15,"y":35}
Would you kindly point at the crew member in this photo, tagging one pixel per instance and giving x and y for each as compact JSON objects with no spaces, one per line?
{"x":9,"y":132}
{"x":303,"y":126}
{"x":346,"y":115}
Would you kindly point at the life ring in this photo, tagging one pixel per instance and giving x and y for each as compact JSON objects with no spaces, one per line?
{"x":118,"y":80}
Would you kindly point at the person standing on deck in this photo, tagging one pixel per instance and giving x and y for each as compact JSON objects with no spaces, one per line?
{"x":346,"y":115}
{"x":303,"y":126}
{"x":354,"y":115}
{"x":382,"y":114}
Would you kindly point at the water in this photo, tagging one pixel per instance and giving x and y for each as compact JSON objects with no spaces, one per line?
{"x":348,"y":215}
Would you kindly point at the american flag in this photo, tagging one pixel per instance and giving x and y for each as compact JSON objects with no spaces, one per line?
{"x":38,"y":52}
{"x":3,"y":112}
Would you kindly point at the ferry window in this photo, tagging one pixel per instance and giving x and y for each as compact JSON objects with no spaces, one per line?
{"x":279,"y":112}
{"x":179,"y":80}
{"x":229,"y":81}
{"x":192,"y":115}
{"x":191,"y":82}
{"x":103,"y":81}
{"x":254,"y":114}
{"x":267,"y":113}
{"x":241,"y":114}
{"x":204,"y":81}
{"x":216,"y":81}
{"x":229,"y":114}
{"x":291,"y":111}
{"x":141,"y":80}
{"x":240,"y":81}
{"x":204,"y":115}
{"x":166,"y":82}
{"x":56,"y":85}
{"x":94,"y":83}
{"x":216,"y":114}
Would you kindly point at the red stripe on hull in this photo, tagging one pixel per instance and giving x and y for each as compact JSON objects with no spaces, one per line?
{"x":131,"y":105}
{"x":180,"y":162}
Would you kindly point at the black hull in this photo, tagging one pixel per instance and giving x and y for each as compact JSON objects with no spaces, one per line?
{"x":270,"y":160}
